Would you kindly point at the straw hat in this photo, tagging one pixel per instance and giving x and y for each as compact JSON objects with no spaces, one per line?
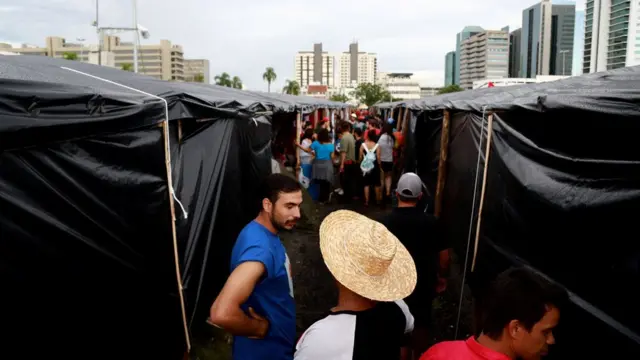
{"x":365,"y":257}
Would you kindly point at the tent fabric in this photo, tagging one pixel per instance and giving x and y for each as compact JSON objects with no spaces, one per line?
{"x":562,"y":181}
{"x":186,"y":100}
{"x":86,"y":239}
{"x":606,"y":92}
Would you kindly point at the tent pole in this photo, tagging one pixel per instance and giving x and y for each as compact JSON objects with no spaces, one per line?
{"x":179,"y":130}
{"x":298,"y":131}
{"x":167,"y":157}
{"x":484,"y":187}
{"x":442,"y":164}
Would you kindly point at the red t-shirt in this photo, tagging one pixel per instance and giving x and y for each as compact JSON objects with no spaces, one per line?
{"x":462,"y":350}
{"x":366,"y":133}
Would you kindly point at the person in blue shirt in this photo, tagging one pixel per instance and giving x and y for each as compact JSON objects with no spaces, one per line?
{"x":324,"y":154}
{"x":256,"y":304}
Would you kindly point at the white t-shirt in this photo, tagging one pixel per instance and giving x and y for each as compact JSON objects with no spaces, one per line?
{"x":386,"y":148}
{"x":305,"y":157}
{"x":349,"y":335}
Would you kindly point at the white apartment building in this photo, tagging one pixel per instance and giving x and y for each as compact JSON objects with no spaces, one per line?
{"x":341,"y":70}
{"x":400,"y":85}
{"x":484,"y":55}
{"x":429,"y":91}
{"x":194,"y":68}
{"x":612,"y":35}
{"x":315,"y":67}
{"x":163,"y":61}
{"x":355,"y":67}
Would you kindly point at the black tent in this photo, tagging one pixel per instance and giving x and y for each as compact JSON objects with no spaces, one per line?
{"x":88,"y":243}
{"x":555,"y":194}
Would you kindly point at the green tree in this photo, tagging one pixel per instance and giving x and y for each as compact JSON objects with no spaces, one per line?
{"x":370,"y":94}
{"x":339,"y":98}
{"x":291,"y":87}
{"x":236,"y":83}
{"x":70,"y":56}
{"x":224,"y":79}
{"x":198,"y":78}
{"x":450,"y":89}
{"x":127,"y":67}
{"x":269,"y":76}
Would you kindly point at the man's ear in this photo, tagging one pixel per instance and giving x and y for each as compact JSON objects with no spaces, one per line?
{"x":267,"y":206}
{"x":515,"y":329}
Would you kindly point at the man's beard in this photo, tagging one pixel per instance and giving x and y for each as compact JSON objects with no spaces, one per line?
{"x":279,"y":227}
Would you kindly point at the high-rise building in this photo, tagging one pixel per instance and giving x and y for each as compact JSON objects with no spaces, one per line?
{"x":578,"y":44}
{"x":466,"y":33}
{"x":612,"y":35}
{"x":356,"y":67}
{"x":547,"y":39}
{"x":344,"y":69}
{"x":195,"y":68}
{"x":450,"y":68}
{"x":514,"y":53}
{"x":162,"y":61}
{"x":315,"y":67}
{"x":484,"y":55}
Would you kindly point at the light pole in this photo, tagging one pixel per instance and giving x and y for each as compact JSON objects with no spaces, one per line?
{"x":137,"y":29}
{"x":564,"y":55}
{"x":81,"y":41}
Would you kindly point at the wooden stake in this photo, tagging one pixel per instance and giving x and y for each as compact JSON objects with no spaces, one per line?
{"x":179,"y":130}
{"x":176,"y":257}
{"x":484,"y":187}
{"x":442,"y":164}
{"x":298,"y":130}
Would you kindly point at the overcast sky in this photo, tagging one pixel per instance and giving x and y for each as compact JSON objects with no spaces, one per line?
{"x":242,"y":37}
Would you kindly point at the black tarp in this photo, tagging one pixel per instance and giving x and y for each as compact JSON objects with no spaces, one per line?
{"x":86,"y":242}
{"x":563,"y":185}
{"x":86,"y":248}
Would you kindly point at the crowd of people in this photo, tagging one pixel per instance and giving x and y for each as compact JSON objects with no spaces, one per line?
{"x":355,"y":160}
{"x":387,"y":272}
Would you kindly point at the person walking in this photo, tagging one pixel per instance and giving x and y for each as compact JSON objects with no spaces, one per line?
{"x":322,"y":169}
{"x":373,"y":273}
{"x":256,"y":304}
{"x":423,"y":237}
{"x":348,"y":164}
{"x":370,"y":165}
{"x":387,"y":143}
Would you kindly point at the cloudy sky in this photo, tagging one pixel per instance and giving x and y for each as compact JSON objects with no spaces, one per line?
{"x":242,"y":37}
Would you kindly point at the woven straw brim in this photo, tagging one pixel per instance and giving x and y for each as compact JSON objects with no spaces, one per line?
{"x":396,"y":283}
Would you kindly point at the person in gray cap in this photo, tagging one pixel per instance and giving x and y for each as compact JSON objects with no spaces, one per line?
{"x":423,"y":237}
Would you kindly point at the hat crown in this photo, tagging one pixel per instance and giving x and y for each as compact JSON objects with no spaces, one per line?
{"x":372,"y":250}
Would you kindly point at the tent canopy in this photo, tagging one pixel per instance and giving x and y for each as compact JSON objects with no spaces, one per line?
{"x":603,"y":92}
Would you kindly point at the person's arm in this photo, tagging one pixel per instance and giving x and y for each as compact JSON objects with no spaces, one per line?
{"x":305,"y":149}
{"x":343,"y":153}
{"x":226,"y":312}
{"x":361,"y":152}
{"x":378,"y":156}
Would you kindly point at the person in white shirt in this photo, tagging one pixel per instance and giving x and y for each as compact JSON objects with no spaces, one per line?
{"x":374,"y":272}
{"x":387,"y":142}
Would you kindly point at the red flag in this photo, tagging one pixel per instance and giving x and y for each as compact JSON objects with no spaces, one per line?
{"x":491,"y":84}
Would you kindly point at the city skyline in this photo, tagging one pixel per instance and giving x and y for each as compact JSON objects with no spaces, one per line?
{"x":260,"y":34}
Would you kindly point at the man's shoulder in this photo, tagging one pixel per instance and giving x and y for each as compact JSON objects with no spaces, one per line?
{"x":446,"y":350}
{"x":252,"y":235}
{"x":327,"y":338}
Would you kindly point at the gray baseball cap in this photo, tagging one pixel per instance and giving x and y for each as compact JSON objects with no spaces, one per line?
{"x":410,"y":186}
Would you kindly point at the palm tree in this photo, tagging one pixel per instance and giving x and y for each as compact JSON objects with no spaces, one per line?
{"x":224,"y":79}
{"x":269,"y":76}
{"x":236,"y":83}
{"x":70,"y":56}
{"x":291,"y":88}
{"x":127,"y":67}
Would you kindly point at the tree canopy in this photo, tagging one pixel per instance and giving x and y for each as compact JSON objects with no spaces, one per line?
{"x":369,"y":94}
{"x":450,"y":89}
{"x":291,"y":87}
{"x":339,"y":98}
{"x":269,"y":76}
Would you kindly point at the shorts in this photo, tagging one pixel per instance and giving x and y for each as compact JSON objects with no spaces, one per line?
{"x":387,"y":166}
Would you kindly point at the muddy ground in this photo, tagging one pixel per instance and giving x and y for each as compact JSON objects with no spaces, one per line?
{"x":315,"y":292}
